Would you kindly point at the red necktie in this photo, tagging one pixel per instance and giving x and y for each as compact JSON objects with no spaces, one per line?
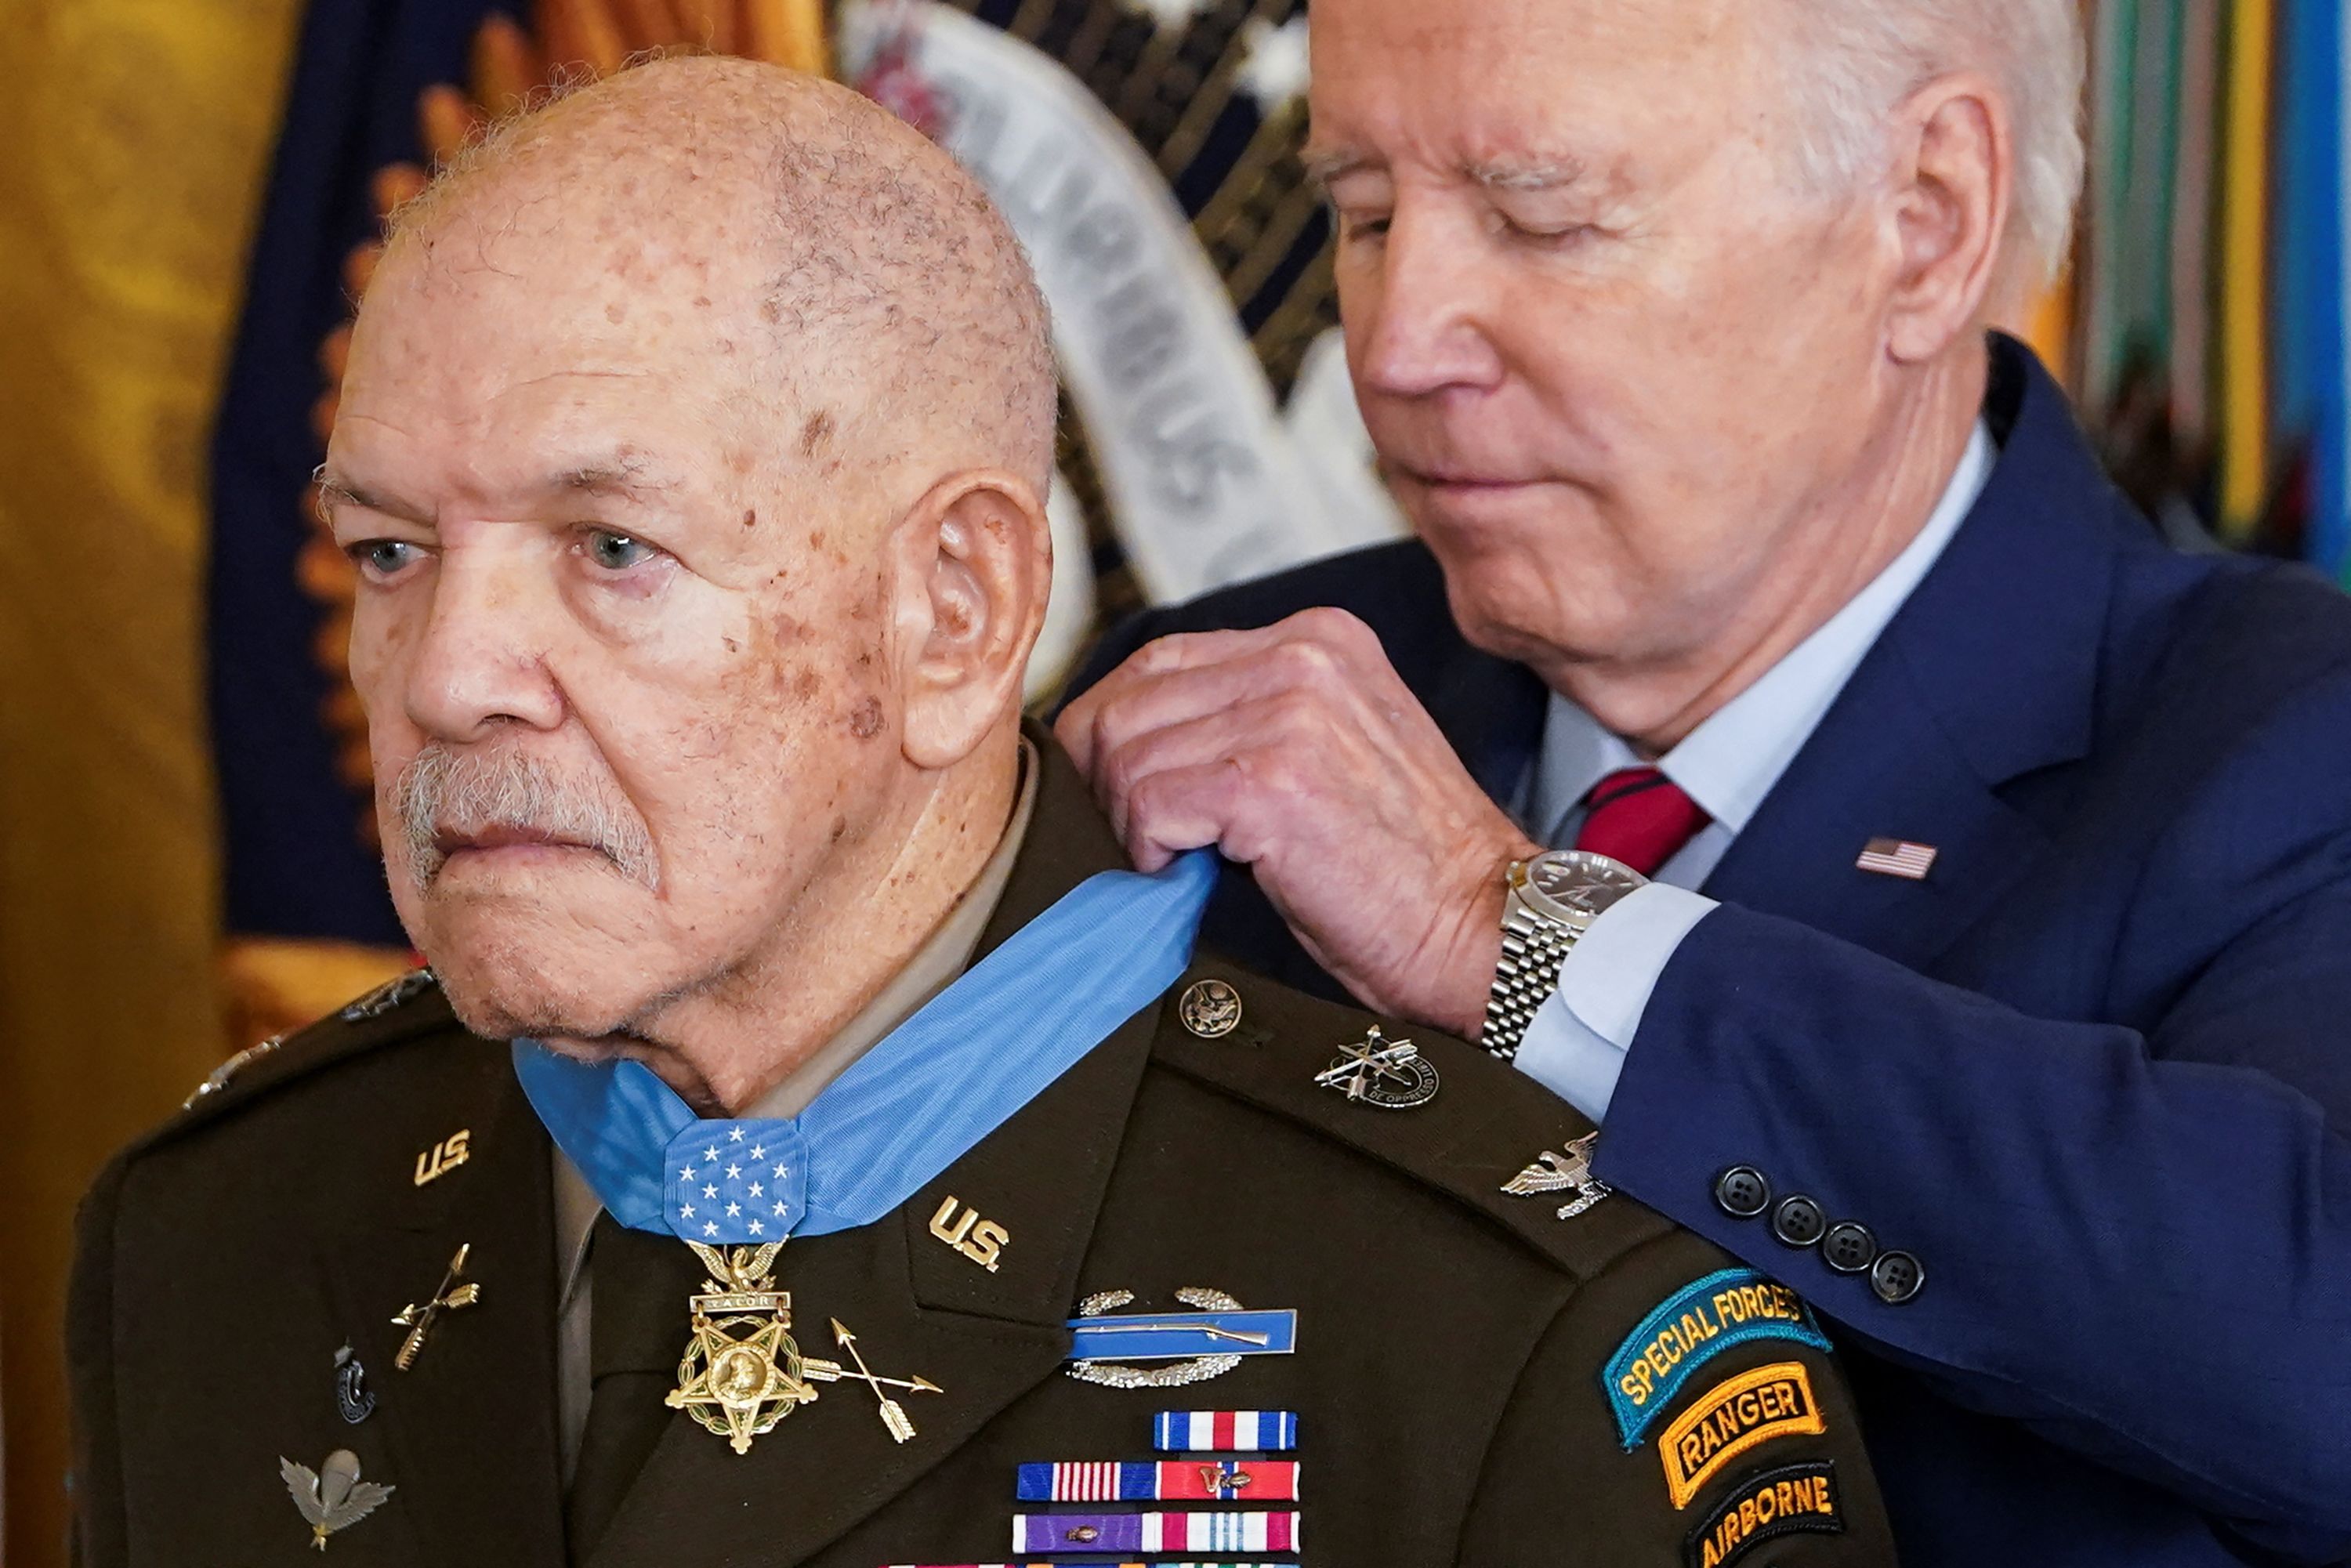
{"x":1640,"y":817}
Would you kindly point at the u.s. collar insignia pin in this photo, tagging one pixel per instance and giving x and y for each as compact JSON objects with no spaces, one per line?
{"x":1561,"y":1173}
{"x":1376,"y":1070}
{"x":332,"y":1497}
{"x":354,"y":1400}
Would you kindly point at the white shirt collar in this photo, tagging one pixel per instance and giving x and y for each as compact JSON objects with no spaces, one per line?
{"x":1730,"y":763}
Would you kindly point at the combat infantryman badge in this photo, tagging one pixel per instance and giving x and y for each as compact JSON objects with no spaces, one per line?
{"x":1557,"y":1172}
{"x":1200,"y":1345}
{"x":1376,"y":1070}
{"x":332,"y":1498}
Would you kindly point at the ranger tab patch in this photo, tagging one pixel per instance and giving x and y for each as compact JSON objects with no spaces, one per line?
{"x":1734,"y":1416}
{"x":1697,"y":1323}
{"x":1764,"y":1505}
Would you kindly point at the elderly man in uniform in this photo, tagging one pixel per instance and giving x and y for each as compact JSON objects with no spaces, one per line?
{"x":874,"y":1175}
{"x":1783,"y":741}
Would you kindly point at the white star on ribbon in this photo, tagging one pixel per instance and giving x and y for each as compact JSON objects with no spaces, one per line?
{"x":686,"y":1211}
{"x":732,"y":1209}
{"x":734,"y":1171}
{"x":685,"y":1173}
{"x":735,"y":1134}
{"x":779,"y":1211}
{"x":755,"y":1229}
{"x":1171,"y":14}
{"x":758,"y":1151}
{"x":710,"y":1227}
{"x":709,"y":1191}
{"x":758,"y":1191}
{"x":711,"y":1154}
{"x":781,"y":1173}
{"x":1275,"y":72}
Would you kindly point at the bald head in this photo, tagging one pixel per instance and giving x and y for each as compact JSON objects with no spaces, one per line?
{"x":831,"y":260}
{"x":691,"y":449}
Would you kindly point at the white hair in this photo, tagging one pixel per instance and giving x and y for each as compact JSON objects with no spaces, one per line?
{"x":1851,"y":61}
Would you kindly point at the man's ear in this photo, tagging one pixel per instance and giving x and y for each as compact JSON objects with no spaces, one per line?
{"x":974,"y":561}
{"x":1953,"y":187}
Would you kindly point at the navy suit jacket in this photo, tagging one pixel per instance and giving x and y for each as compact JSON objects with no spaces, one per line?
{"x":2093,"y":1071}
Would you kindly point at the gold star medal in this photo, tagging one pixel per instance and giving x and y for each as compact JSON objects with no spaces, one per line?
{"x":741,"y":1373}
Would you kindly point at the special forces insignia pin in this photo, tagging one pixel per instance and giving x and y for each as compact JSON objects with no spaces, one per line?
{"x":1377,"y":1070}
{"x":1562,"y":1173}
{"x":332,"y":1497}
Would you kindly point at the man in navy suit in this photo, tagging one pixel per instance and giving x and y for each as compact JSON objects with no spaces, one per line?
{"x":1784,"y":742}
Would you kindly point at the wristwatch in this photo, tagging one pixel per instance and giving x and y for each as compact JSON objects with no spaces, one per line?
{"x":1552,"y":900}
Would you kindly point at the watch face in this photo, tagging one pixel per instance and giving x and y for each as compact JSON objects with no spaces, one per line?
{"x":1575,"y":886}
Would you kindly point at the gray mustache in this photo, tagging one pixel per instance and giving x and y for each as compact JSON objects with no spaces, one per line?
{"x":442,"y":791}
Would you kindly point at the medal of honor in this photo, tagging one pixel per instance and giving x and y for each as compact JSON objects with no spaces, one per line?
{"x":741,"y":1373}
{"x":734,"y":1189}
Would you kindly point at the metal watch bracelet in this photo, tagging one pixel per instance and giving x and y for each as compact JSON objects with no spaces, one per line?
{"x":1532,"y":950}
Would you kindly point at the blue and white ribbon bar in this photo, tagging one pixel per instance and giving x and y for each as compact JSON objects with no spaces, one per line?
{"x":1165,"y":1480}
{"x":1254,"y":1531}
{"x":1170,"y":1336}
{"x":1225,"y":1431}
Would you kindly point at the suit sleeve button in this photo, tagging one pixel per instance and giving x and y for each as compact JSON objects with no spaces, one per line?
{"x":1896,"y":1278}
{"x":1797,"y":1221}
{"x":1849,"y":1247}
{"x":1741,"y":1191}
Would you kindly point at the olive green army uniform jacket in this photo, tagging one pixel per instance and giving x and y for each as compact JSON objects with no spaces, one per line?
{"x":1465,"y":1369}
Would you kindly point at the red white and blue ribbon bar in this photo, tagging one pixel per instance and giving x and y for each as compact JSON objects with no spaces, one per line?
{"x":1166,"y":1481}
{"x":1225,"y":1431}
{"x":1254,"y":1531}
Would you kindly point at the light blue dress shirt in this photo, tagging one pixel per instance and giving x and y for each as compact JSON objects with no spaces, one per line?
{"x":1575,"y":1045}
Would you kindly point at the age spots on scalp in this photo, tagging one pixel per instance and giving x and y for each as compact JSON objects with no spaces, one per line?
{"x":750,"y":516}
{"x":865,"y":719}
{"x":814,"y":433}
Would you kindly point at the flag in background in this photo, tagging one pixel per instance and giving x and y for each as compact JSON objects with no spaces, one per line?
{"x":2206,"y":310}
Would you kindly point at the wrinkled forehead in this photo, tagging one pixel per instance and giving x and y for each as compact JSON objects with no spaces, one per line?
{"x":505,"y":328}
{"x":1504,"y":82}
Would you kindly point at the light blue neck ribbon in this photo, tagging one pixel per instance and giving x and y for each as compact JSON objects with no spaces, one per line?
{"x":904,"y":1112}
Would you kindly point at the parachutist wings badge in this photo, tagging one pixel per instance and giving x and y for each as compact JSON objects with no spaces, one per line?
{"x":1562,"y":1173}
{"x":333,"y":1497}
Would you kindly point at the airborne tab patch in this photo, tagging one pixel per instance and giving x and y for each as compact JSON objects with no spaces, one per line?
{"x":1691,"y":1327}
{"x":1766,"y":1504}
{"x":1736,"y":1415}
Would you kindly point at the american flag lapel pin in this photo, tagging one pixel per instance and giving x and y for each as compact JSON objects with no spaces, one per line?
{"x":1897,"y":857}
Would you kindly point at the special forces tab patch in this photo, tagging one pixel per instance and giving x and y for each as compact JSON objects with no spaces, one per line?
{"x":1733,"y":1416}
{"x":1689,"y":1328}
{"x":1763,"y":1506}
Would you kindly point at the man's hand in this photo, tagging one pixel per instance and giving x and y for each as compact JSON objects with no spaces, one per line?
{"x":1297,"y":750}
